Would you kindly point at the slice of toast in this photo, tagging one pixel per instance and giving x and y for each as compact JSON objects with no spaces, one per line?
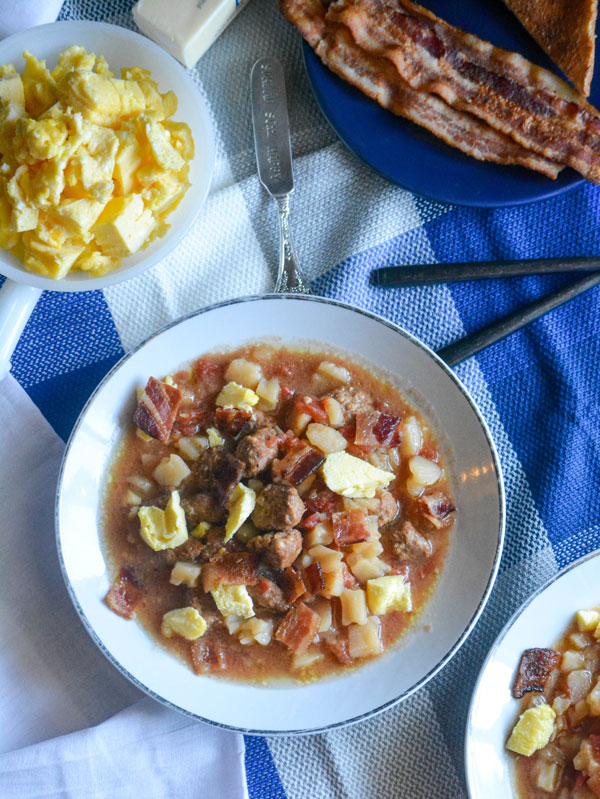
{"x":566,"y":29}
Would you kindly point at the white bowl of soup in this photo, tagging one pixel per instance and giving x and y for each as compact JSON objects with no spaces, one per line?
{"x":280,"y":515}
{"x":534,"y":721}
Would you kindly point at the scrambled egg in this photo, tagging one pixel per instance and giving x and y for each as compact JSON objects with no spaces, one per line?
{"x":532,"y":731}
{"x":233,"y":395}
{"x":215,"y":439}
{"x":587,"y":620}
{"x":233,"y":600}
{"x":240,"y":506}
{"x":200,"y":530}
{"x":90,"y":165}
{"x":164,"y":529}
{"x":352,"y":477}
{"x":186,"y":622}
{"x":385,"y":594}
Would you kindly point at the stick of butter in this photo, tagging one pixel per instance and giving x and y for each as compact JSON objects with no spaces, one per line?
{"x":186,"y":28}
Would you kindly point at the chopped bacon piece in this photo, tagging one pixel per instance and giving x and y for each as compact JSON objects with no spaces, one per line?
{"x":230,"y":421}
{"x":324,"y":502}
{"x":267,"y":594}
{"x":350,"y":527}
{"x":311,"y":407}
{"x":377,"y":429}
{"x":157,"y":409}
{"x":313,"y":578}
{"x":298,"y":628}
{"x":580,"y":781}
{"x":338,"y":644}
{"x":208,"y":654}
{"x":535,"y":668}
{"x":350,"y":580}
{"x":191,"y":420}
{"x":430,"y":452}
{"x":125,"y":594}
{"x":233,"y":568}
{"x":437,"y":509}
{"x":291,"y":584}
{"x":298,"y":464}
{"x":310,"y":521}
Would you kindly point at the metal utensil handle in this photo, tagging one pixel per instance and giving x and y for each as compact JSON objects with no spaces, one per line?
{"x":289,"y":277}
{"x":396,"y":276}
{"x":470,"y":345}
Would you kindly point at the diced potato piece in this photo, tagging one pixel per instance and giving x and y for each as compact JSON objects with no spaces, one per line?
{"x":190,"y":447}
{"x":322,"y":606}
{"x":532,"y":731}
{"x":321,"y":533}
{"x":233,"y":600}
{"x":240,"y":505}
{"x":593,"y":699}
{"x":244,"y":372}
{"x":184,"y":573}
{"x":171,"y":471}
{"x":365,"y":569}
{"x":368,"y":549}
{"x":335,"y":372}
{"x":412,"y":439}
{"x":334,"y":411}
{"x":587,"y":620}
{"x":141,"y":484}
{"x":325,"y":438}
{"x":572,"y":660}
{"x":164,"y":529}
{"x":349,"y":476}
{"x":329,"y":559}
{"x":354,"y":606}
{"x":132,"y":499}
{"x":548,"y":776}
{"x":186,"y":622}
{"x":308,"y":659}
{"x":233,"y":623}
{"x":232,"y":395}
{"x":215,"y":439}
{"x":364,"y":640}
{"x":299,"y":422}
{"x":424,"y":471}
{"x":413,"y":487}
{"x":334,"y":582}
{"x":200,"y":530}
{"x":385,"y":594}
{"x":578,"y":640}
{"x":144,"y":436}
{"x":268,"y":391}
{"x":255,"y":630}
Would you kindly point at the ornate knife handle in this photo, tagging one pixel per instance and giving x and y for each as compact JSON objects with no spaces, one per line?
{"x":290,"y":279}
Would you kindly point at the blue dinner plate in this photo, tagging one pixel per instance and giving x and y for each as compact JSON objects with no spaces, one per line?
{"x":408,"y":155}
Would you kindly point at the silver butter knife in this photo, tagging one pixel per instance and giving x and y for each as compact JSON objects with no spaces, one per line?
{"x":274,"y":161}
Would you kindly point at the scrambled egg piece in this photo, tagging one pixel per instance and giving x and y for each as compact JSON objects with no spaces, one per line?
{"x":90,"y":165}
{"x":587,"y":620}
{"x":233,"y":600}
{"x":164,"y":529}
{"x":200,"y":530}
{"x":532,"y":731}
{"x":215,"y":439}
{"x":232,"y":395}
{"x":385,"y":594}
{"x":352,"y":477}
{"x":240,"y":506}
{"x":186,"y":622}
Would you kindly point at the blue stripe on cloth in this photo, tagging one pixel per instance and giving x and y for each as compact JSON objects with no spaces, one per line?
{"x":68,"y":345}
{"x":261,"y":775}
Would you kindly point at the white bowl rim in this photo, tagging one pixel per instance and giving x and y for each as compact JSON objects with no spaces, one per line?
{"x":497,"y":643}
{"x":478,"y":610}
{"x":20,"y":275}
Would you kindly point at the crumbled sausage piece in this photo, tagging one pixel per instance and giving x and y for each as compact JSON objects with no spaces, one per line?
{"x":201,"y":507}
{"x":189,"y":552}
{"x":437,"y":509}
{"x":388,"y":507}
{"x":257,"y":451}
{"x":218,"y":471}
{"x":352,"y":401}
{"x":278,"y":550}
{"x":410,"y":544}
{"x":233,"y":568}
{"x":535,"y":668}
{"x":278,"y":507}
{"x":267,"y":594}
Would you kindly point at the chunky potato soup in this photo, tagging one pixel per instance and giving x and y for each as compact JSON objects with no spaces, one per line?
{"x":275,"y":513}
{"x":556,"y":740}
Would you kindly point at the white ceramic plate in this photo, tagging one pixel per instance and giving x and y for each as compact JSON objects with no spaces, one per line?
{"x":122,"y":48}
{"x":462,"y":590}
{"x":541,"y":621}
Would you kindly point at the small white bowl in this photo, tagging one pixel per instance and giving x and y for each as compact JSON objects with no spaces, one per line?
{"x":122,"y":48}
{"x":463,"y":588}
{"x":540,"y":622}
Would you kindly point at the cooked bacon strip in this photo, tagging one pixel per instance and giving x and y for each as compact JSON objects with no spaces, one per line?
{"x":379,"y":80}
{"x":157,"y":409}
{"x":233,"y":568}
{"x":377,"y":429}
{"x":350,"y":527}
{"x":298,"y":464}
{"x":533,"y":106}
{"x":125,"y":594}
{"x":291,"y":584}
{"x":313,"y":578}
{"x":535,"y":669}
{"x":298,"y":628}
{"x":230,"y":421}
{"x":437,"y":509}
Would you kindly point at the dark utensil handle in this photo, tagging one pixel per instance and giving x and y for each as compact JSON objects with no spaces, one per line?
{"x":396,"y":276}
{"x":475,"y":342}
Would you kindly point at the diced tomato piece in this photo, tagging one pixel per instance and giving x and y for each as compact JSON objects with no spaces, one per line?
{"x":310,"y":521}
{"x":286,"y":393}
{"x":125,"y":594}
{"x":430,"y":453}
{"x":350,"y":527}
{"x":324,"y":502}
{"x":313,"y":578}
{"x":233,"y":568}
{"x":311,"y":407}
{"x":291,"y":584}
{"x":298,"y":628}
{"x":208,"y":371}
